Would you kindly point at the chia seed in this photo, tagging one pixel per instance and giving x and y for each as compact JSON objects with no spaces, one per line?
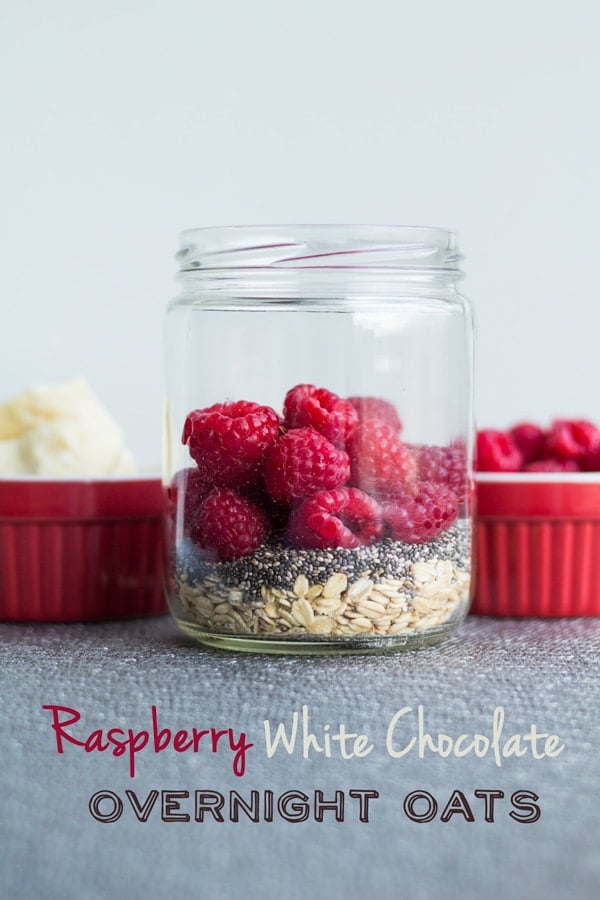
{"x":276,"y":565}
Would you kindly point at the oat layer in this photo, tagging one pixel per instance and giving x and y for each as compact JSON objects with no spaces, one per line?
{"x":389,"y":588}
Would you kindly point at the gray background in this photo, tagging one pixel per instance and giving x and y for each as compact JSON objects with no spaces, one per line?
{"x":542,"y":672}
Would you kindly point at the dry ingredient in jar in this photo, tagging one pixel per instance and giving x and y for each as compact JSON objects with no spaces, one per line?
{"x":321,"y":522}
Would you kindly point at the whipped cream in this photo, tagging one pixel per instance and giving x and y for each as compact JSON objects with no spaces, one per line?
{"x":61,"y":430}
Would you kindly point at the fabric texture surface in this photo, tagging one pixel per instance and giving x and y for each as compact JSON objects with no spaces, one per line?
{"x":541,"y":673}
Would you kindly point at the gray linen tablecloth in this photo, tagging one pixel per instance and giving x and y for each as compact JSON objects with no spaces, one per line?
{"x":534,"y":673}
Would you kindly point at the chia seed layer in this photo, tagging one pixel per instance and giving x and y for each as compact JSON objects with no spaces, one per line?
{"x":277,"y":565}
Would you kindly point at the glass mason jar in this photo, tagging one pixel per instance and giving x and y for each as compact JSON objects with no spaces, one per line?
{"x":319,"y":438}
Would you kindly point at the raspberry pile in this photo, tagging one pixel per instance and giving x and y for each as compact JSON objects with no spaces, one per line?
{"x":568,"y":445}
{"x":329,"y":472}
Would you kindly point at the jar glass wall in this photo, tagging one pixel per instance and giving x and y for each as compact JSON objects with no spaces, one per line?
{"x":318,"y":438}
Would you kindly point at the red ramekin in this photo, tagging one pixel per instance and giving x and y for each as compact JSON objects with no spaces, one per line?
{"x":537,"y":544}
{"x":77,"y":550}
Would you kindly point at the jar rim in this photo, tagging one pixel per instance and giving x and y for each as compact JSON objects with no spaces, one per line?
{"x":396,"y":247}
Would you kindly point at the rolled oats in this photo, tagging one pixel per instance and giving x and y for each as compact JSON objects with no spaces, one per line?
{"x":424,"y":594}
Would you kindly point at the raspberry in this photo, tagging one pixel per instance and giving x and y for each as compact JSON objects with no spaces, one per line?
{"x":591,"y":461}
{"x":302,"y":462}
{"x":497,"y":452}
{"x":345,"y":517}
{"x":306,"y":405}
{"x":552,"y":465}
{"x":529,"y":439}
{"x":229,"y":526}
{"x":228,"y":441}
{"x":381,"y":463}
{"x":422,"y":514}
{"x":369,"y":408}
{"x":192,"y":486}
{"x":573,"y":439}
{"x":443,"y":465}
{"x":277,"y":513}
